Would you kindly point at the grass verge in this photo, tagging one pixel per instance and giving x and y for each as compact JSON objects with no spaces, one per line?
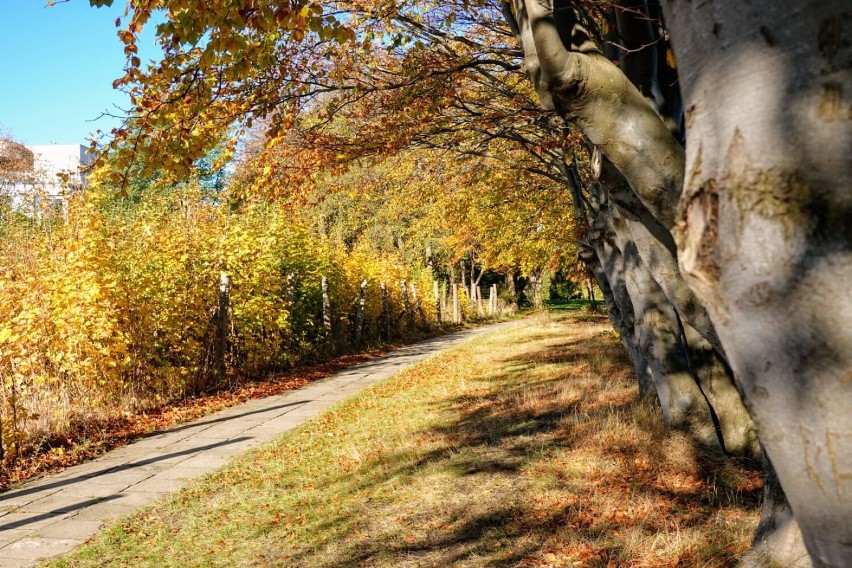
{"x":522,"y":448}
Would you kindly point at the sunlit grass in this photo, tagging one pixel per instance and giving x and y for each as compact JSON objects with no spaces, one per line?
{"x":526,"y":447}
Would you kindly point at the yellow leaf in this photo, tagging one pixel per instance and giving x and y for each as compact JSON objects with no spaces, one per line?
{"x":670,"y":58}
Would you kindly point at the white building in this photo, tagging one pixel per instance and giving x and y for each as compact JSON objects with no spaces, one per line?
{"x":31,"y":174}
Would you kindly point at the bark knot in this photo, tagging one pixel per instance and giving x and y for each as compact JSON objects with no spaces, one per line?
{"x":697,"y":232}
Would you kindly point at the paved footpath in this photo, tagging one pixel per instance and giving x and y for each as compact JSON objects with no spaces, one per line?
{"x":52,"y":515}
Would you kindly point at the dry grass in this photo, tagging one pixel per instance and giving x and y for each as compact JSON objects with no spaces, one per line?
{"x":524,"y":448}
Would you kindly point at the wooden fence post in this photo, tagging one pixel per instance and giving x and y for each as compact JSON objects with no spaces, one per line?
{"x":385,"y":317}
{"x":479,"y":309}
{"x":498,"y":310}
{"x":220,"y":348}
{"x":437,"y":290}
{"x":456,"y":306}
{"x":491,"y":310}
{"x":359,"y":316}
{"x":326,"y":309}
{"x":418,"y":306}
{"x":445,"y":307}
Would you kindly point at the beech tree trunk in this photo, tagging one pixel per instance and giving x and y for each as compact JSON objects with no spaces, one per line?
{"x":607,"y":266}
{"x":656,"y":249}
{"x":764,"y":232}
{"x":588,"y":89}
{"x":683,"y":404}
{"x":514,"y":295}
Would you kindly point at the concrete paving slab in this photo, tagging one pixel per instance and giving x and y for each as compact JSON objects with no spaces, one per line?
{"x":284,"y":423}
{"x":36,"y":548}
{"x":11,"y":535}
{"x":27,"y":521}
{"x":15,"y":563}
{"x":106,"y":511}
{"x":70,"y":528}
{"x":181,"y":473}
{"x":129,"y":474}
{"x":89,"y":491}
{"x":59,"y":503}
{"x":204,"y":461}
{"x":158,"y":484}
{"x":20,"y":499}
{"x":151,"y":442}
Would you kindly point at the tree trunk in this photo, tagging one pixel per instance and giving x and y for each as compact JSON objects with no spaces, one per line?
{"x":606,"y":264}
{"x":583,"y":86}
{"x":764,"y":233}
{"x":619,"y":309}
{"x":658,"y":330}
{"x":706,"y":362}
{"x":456,"y":305}
{"x":683,"y":404}
{"x":778,"y":540}
{"x":513,"y":291}
{"x":473,"y":281}
{"x":590,"y":293}
{"x":656,"y":247}
{"x":223,"y":311}
{"x":716,"y":380}
{"x":384,"y":318}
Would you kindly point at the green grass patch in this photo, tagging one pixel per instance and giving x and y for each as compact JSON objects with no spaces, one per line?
{"x":524,"y":447}
{"x":572,"y":305}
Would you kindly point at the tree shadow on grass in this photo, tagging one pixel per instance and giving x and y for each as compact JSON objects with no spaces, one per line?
{"x":508,"y":488}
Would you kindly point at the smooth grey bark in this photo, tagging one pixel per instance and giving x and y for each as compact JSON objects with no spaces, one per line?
{"x":777,"y":540}
{"x":717,"y":383}
{"x":764,"y":231}
{"x":656,"y":248}
{"x":657,"y":328}
{"x":585,"y":87}
{"x":605,"y":263}
{"x":683,"y":403}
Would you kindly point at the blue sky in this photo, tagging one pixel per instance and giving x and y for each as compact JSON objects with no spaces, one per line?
{"x":57,"y":66}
